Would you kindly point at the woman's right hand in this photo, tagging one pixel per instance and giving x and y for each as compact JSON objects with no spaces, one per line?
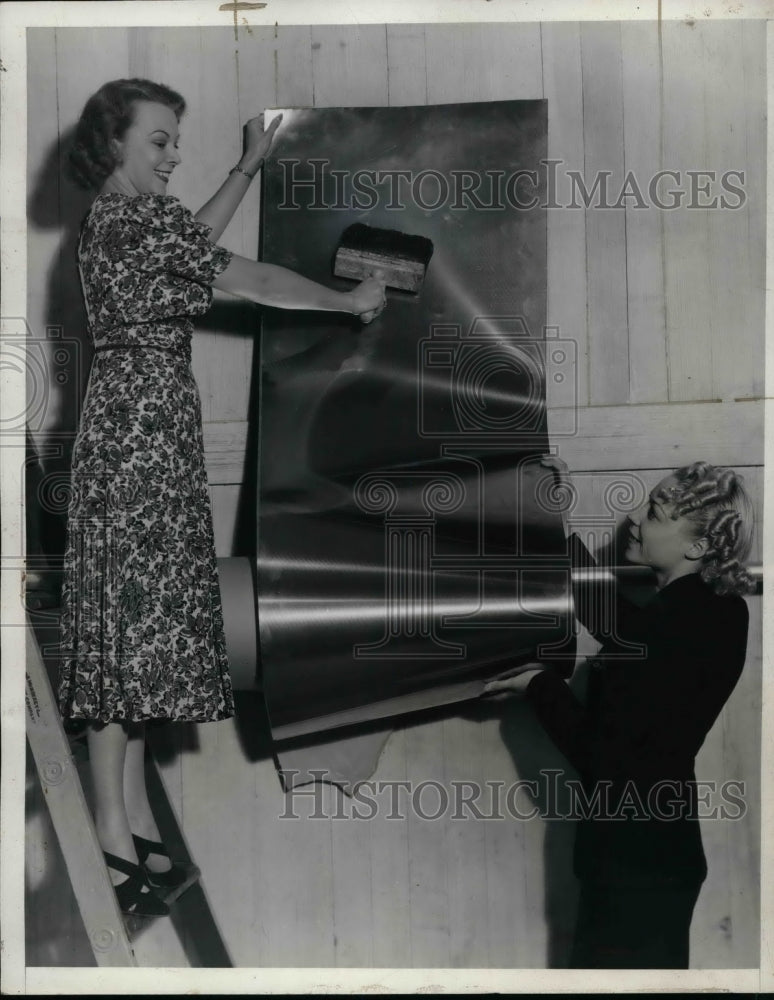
{"x":369,"y":298}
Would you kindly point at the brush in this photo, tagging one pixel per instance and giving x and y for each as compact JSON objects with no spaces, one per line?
{"x":400,"y":259}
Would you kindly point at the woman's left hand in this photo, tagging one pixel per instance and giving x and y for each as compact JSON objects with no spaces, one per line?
{"x":257,"y":143}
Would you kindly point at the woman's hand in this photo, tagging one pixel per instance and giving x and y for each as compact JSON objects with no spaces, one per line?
{"x":513,"y":685}
{"x":559,"y":467}
{"x":369,"y":298}
{"x":257,"y":143}
{"x":564,"y":489}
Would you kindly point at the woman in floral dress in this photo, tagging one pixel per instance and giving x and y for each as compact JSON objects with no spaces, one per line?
{"x":142,"y":624}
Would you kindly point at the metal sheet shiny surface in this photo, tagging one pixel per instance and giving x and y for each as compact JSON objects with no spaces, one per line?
{"x":409,"y":545}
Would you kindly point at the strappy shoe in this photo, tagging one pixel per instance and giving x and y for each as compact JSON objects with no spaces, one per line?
{"x":169,"y":879}
{"x":135,"y":896}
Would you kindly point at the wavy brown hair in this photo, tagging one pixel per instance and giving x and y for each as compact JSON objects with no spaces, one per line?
{"x":106,"y":116}
{"x":715,"y":502}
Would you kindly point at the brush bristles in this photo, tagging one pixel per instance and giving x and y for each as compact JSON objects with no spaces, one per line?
{"x":401,"y":259}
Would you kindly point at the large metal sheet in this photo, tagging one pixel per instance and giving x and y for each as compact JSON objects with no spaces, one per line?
{"x":408,"y":545}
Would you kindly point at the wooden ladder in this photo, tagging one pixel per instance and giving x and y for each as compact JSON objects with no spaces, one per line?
{"x":110,"y":933}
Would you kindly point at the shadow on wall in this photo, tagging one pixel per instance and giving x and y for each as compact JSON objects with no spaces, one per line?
{"x":534,"y":755}
{"x":55,"y":203}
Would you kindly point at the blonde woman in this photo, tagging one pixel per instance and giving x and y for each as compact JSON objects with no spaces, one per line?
{"x":638,"y":850}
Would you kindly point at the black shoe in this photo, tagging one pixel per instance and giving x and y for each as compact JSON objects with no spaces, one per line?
{"x":135,"y":896}
{"x":169,"y":879}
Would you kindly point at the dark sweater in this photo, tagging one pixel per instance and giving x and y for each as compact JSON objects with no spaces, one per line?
{"x":645,"y":718}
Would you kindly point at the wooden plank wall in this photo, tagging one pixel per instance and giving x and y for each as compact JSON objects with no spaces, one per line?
{"x":666,"y":310}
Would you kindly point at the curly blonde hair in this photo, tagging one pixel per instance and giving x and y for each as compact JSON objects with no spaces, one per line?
{"x":715,"y":501}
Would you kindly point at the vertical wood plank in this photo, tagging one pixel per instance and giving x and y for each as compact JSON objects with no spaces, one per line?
{"x":563,"y":89}
{"x":483,"y":62}
{"x":352,"y":887}
{"x":605,"y":228}
{"x":294,"y":82}
{"x":313,"y":885}
{"x":737,"y":347}
{"x":465,"y":842}
{"x":644,"y":257}
{"x":406,"y":64}
{"x":754,"y":69}
{"x":304,"y":932}
{"x":271,"y":847}
{"x":390,"y":864}
{"x":349,"y":66}
{"x":506,"y":860}
{"x":686,"y":233}
{"x":256,"y":91}
{"x":222,"y":358}
{"x":742,"y":762}
{"x":43,"y":178}
{"x":742,"y":742}
{"x":711,"y":927}
{"x":429,"y":897}
{"x":77,"y":76}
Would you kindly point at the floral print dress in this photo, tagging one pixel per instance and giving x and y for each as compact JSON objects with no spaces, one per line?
{"x":142,"y":624}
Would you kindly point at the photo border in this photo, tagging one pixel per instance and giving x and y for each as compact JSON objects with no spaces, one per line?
{"x":18,"y":980}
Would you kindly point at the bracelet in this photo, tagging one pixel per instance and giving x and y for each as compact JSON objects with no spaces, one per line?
{"x":238,"y":170}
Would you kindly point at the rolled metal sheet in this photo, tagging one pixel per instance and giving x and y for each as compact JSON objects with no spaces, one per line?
{"x":237,"y":591}
{"x":410,"y":542}
{"x":237,"y":576}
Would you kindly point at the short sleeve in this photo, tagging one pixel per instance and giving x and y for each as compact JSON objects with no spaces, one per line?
{"x":160,"y":235}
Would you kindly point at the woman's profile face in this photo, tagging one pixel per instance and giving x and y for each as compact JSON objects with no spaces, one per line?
{"x":148,"y":150}
{"x":655,"y":539}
